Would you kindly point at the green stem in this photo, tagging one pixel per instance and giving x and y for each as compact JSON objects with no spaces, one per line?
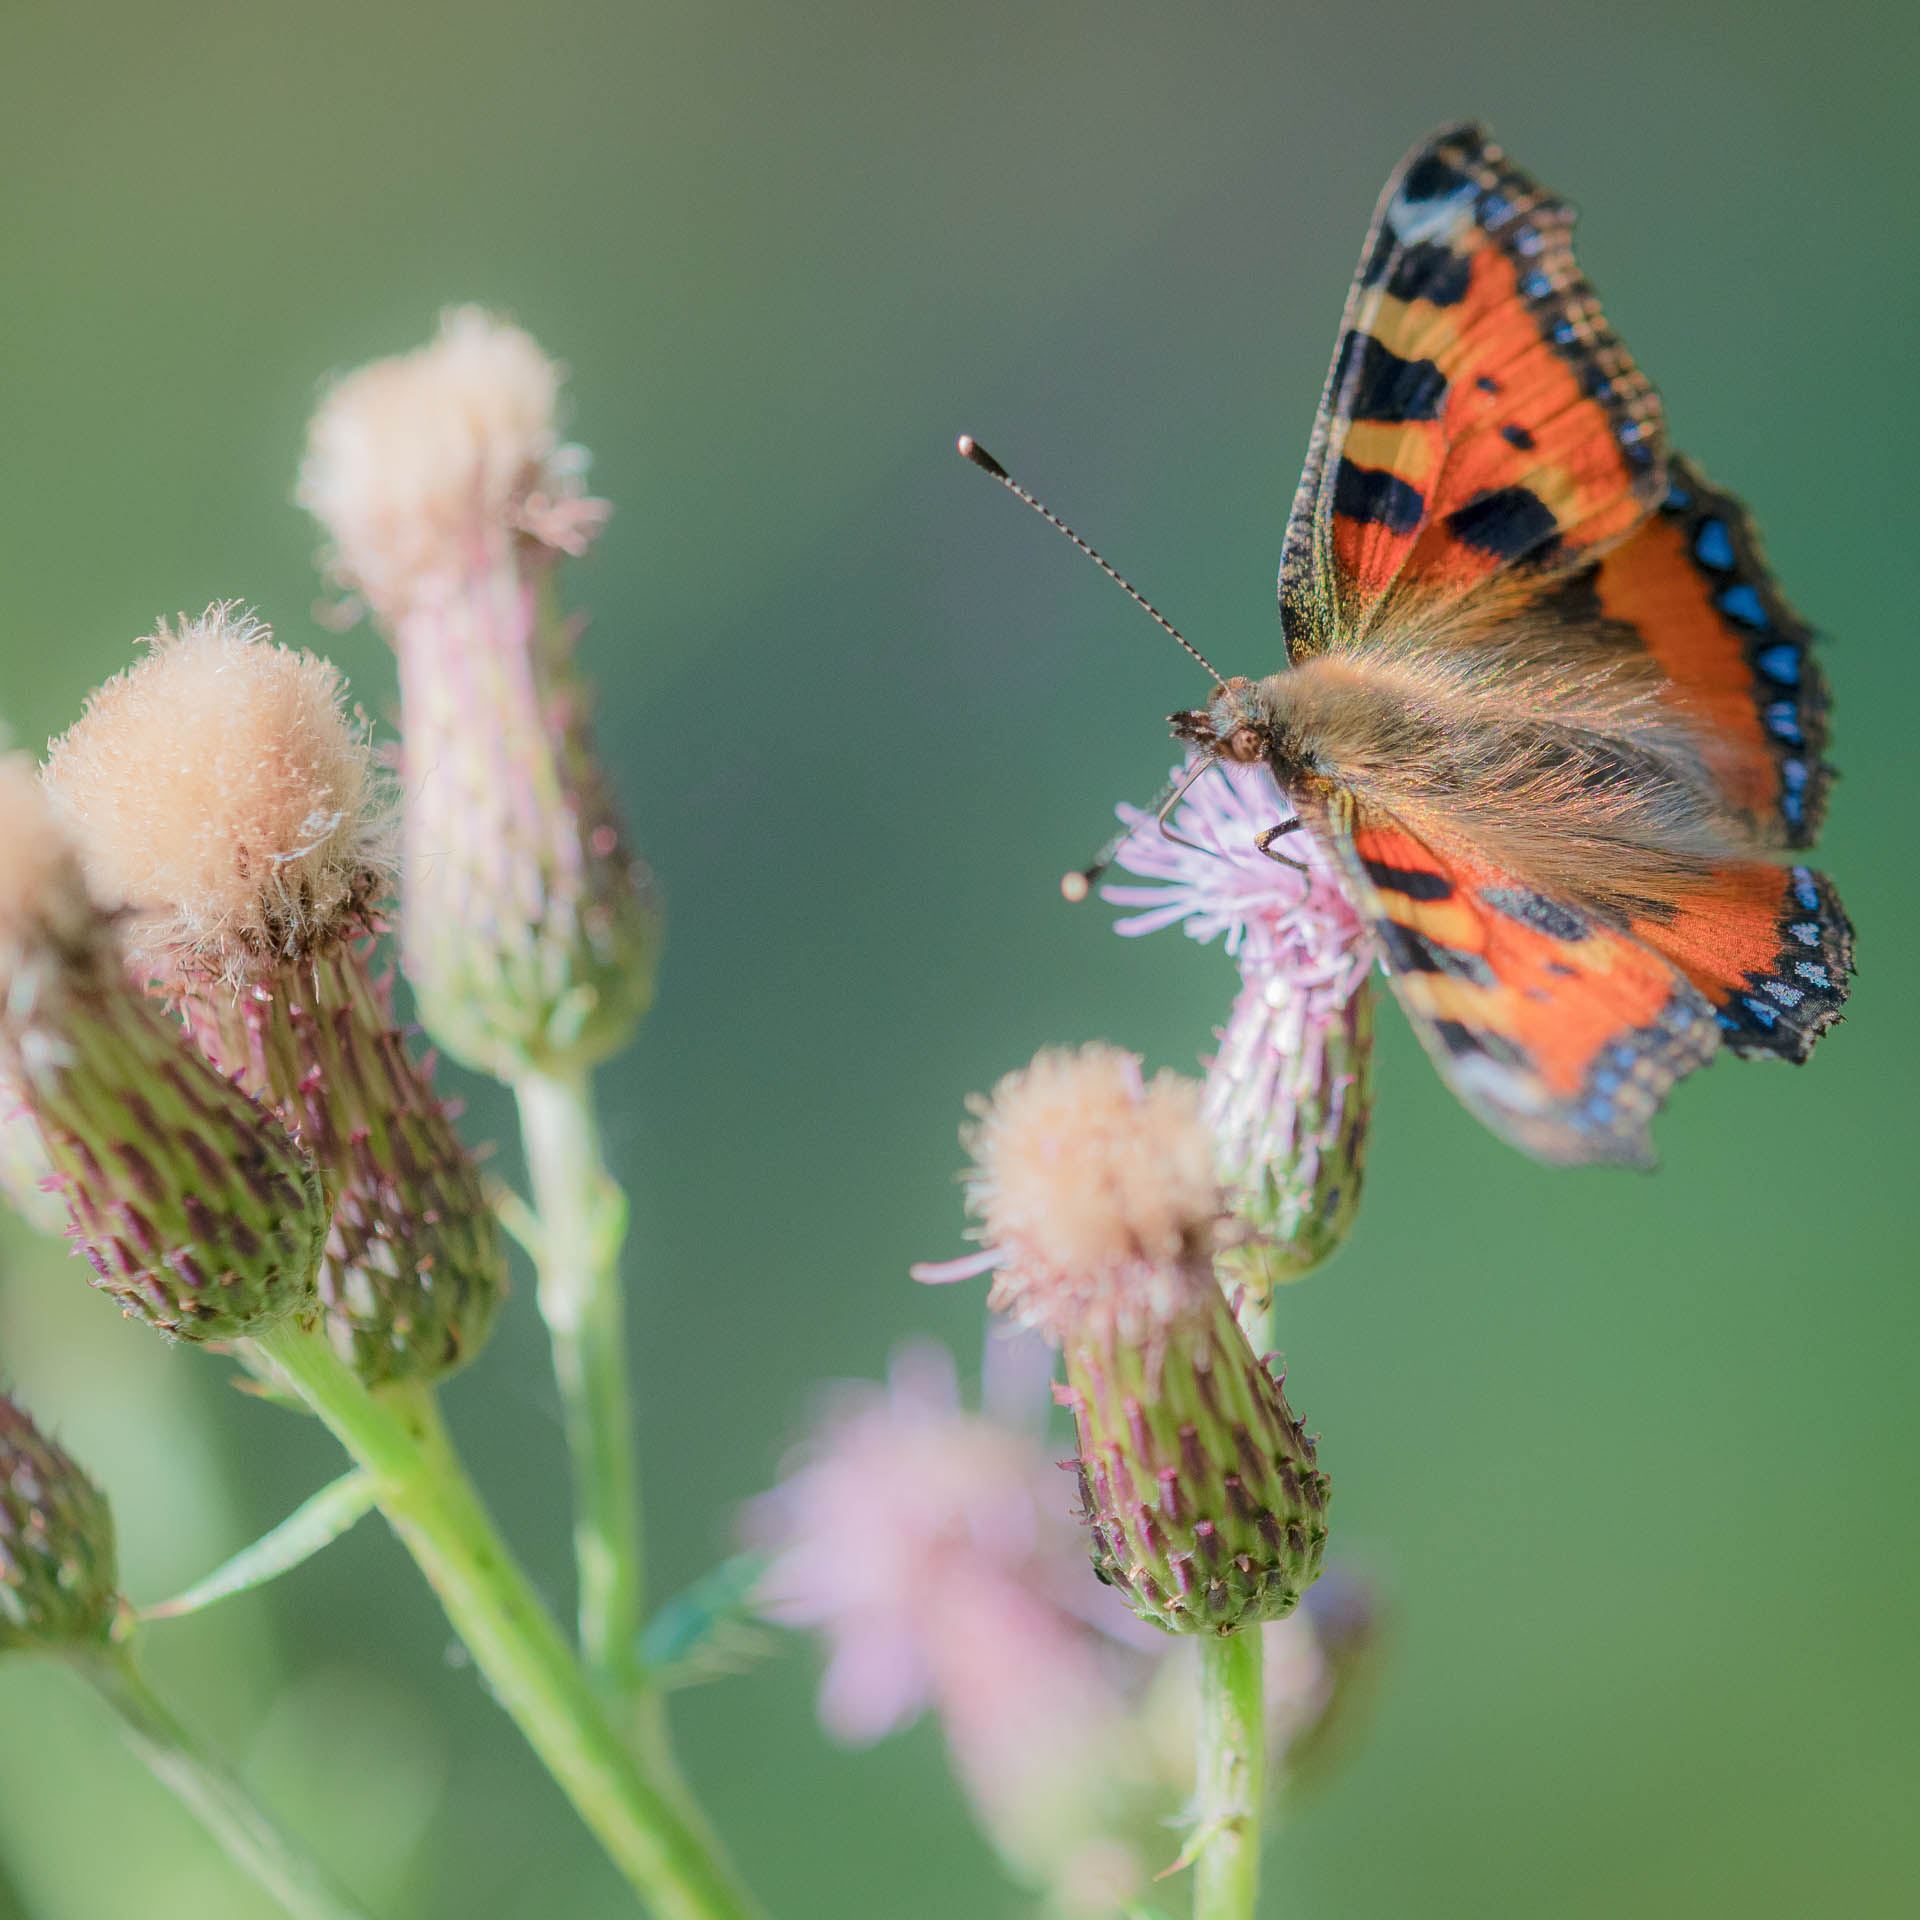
{"x":216,"y":1799}
{"x":397,"y":1436}
{"x":1230,"y":1777}
{"x":582,"y":1225}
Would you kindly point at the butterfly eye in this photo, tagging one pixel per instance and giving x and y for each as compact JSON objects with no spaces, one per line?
{"x":1246,"y":744}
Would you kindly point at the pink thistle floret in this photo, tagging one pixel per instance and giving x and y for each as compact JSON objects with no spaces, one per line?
{"x":1277,"y":921}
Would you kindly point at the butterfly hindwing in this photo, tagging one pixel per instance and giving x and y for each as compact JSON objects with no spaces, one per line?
{"x":1480,"y":413}
{"x":1770,"y":947}
{"x":1694,"y":586}
{"x":1562,"y":1033}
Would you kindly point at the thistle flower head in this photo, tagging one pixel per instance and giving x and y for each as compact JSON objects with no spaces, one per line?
{"x":221,"y":788}
{"x":529,"y":930}
{"x":414,"y":462}
{"x":58,"y":1584}
{"x":1275,"y":919}
{"x":1094,"y":1190}
{"x":195,"y":1208}
{"x":1288,"y":1094}
{"x":220,"y":791}
{"x":1099,"y":1204}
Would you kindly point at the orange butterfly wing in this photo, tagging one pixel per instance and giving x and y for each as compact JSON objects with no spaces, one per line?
{"x":1695,"y":588}
{"x":1561,"y":1033}
{"x":1564,"y":1033}
{"x":1480,"y":413}
{"x":1770,"y":947}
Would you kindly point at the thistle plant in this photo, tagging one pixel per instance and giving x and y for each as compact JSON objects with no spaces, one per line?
{"x":530,"y":929}
{"x":202,"y":1213}
{"x":1100,"y":1209}
{"x":59,"y":1583}
{"x":449,"y":499}
{"x":203,"y":1072}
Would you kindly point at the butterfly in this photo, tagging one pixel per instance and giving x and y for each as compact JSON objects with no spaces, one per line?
{"x":1543,"y":701}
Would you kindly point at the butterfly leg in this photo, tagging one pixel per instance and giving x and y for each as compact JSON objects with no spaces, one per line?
{"x":1264,"y":842}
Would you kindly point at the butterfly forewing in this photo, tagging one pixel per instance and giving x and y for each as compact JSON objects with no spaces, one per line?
{"x":1480,"y":414}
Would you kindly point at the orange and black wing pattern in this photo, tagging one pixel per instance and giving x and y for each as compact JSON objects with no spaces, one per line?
{"x":1564,"y":1032}
{"x":1561,"y":1033}
{"x":1769,"y":947}
{"x":1693,"y":585}
{"x":1480,"y":414}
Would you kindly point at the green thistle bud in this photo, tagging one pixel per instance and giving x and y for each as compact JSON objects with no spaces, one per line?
{"x":196,"y":1210}
{"x":529,"y":929}
{"x":1200,"y":1488}
{"x":59,"y":1587}
{"x":415,"y":1271}
{"x":1100,"y":1210}
{"x":1288,"y":1098}
{"x":222,"y":792}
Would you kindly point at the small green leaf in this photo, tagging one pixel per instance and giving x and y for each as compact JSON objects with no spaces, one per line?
{"x":707,"y":1630}
{"x":316,"y":1524}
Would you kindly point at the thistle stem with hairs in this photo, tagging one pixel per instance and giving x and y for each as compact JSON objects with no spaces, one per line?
{"x":246,"y":1832}
{"x":582,"y":1225}
{"x":1230,"y":1777}
{"x":398,"y":1438}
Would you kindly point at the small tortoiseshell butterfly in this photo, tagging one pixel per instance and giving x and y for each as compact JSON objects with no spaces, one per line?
{"x":1543,"y":699}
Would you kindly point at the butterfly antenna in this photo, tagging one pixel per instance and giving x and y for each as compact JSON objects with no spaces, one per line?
{"x":1075,"y":886}
{"x":971,"y":449}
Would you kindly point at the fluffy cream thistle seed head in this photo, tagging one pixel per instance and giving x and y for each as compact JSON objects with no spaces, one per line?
{"x":220,"y":791}
{"x":414,"y":460}
{"x":1095,"y":1191}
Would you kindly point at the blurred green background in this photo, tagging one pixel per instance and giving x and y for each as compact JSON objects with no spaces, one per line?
{"x":1634,"y":1456}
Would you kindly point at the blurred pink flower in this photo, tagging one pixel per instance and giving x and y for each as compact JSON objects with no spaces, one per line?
{"x":903,"y":1521}
{"x":932,"y":1550}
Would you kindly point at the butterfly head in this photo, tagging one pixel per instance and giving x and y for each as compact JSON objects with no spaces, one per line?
{"x":1235,"y":724}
